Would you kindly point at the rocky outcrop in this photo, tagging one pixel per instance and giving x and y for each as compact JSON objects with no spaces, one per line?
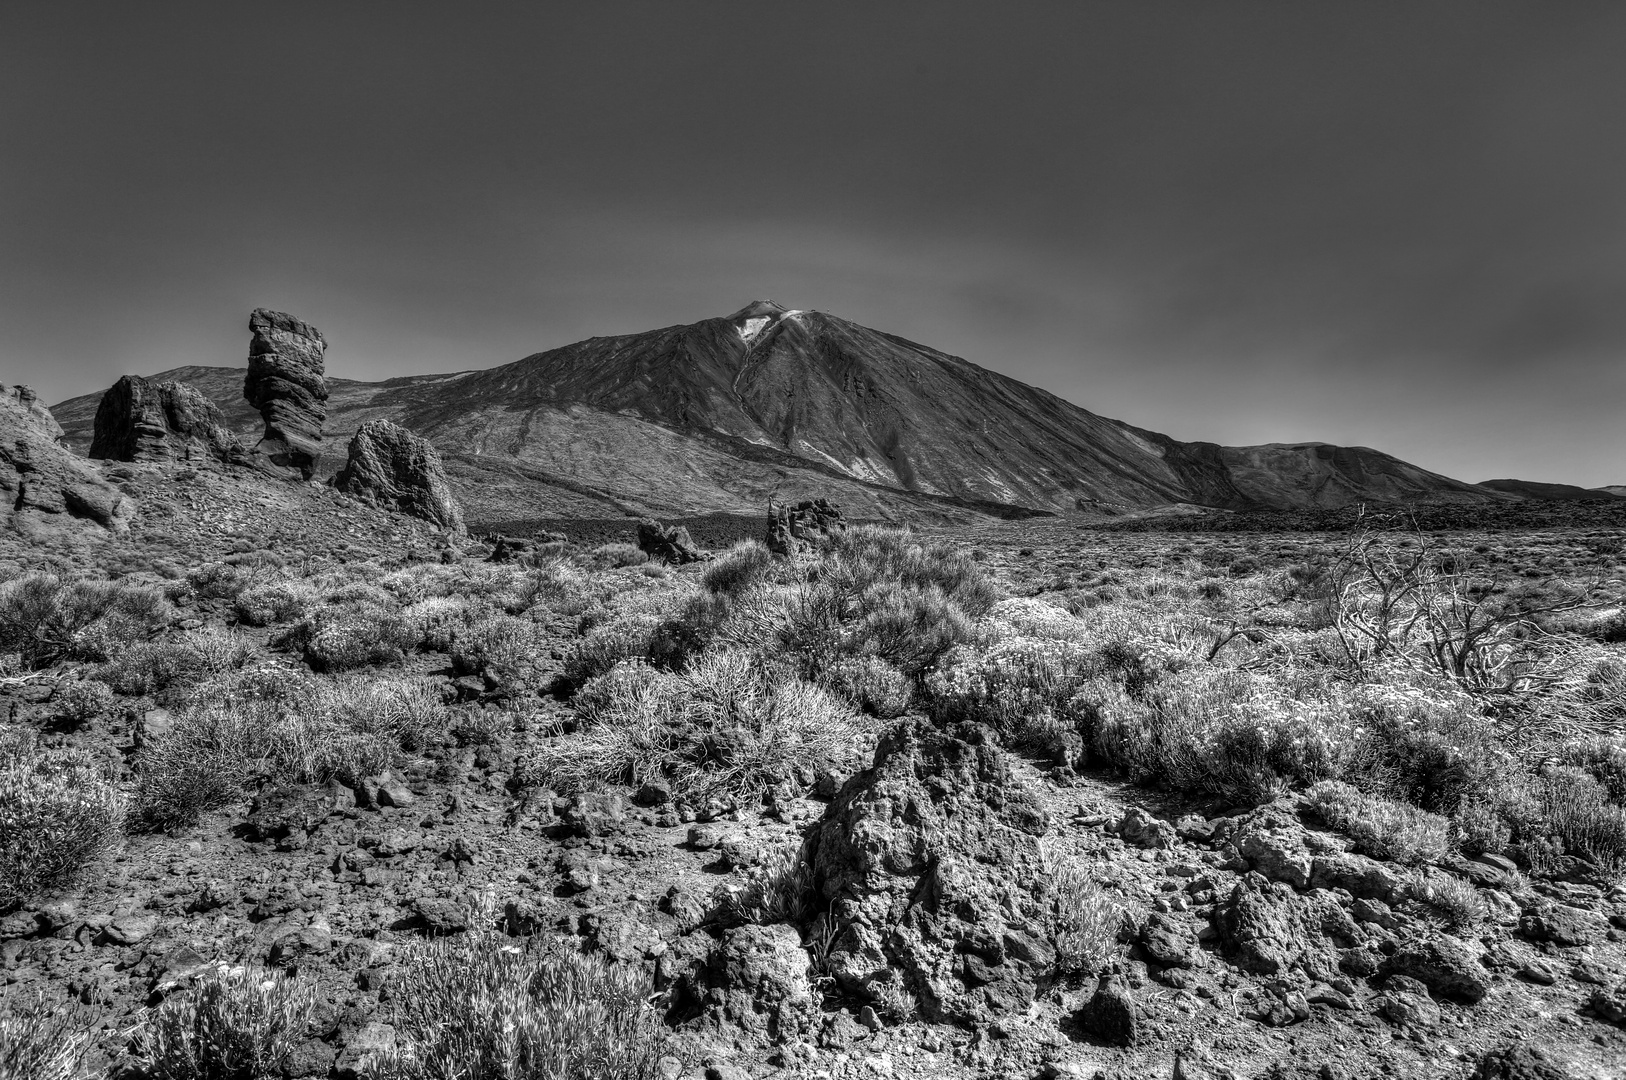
{"x":287,"y":384}
{"x":806,"y":523}
{"x":40,"y":479}
{"x":142,"y":420}
{"x":670,"y":543}
{"x":389,"y":466}
{"x":930,"y":865}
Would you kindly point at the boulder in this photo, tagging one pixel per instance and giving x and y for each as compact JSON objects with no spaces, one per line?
{"x":1110,"y":1014}
{"x":671,"y":543}
{"x":42,"y":482}
{"x":389,"y":466}
{"x":929,"y":865}
{"x":142,"y":420}
{"x":806,"y":523}
{"x":286,"y":383}
{"x":760,"y":980}
{"x":1446,"y":965}
{"x":1270,"y":930}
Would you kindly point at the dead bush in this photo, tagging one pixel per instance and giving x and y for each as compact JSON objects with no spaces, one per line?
{"x":60,"y":811}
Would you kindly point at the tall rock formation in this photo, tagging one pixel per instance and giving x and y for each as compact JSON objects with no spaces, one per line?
{"x":391,"y":467}
{"x":286,"y":383}
{"x":41,"y":481}
{"x":143,"y":420}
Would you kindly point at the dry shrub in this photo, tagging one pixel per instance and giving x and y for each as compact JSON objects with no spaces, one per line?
{"x":41,"y":1040}
{"x":743,"y":566}
{"x":1209,"y":729}
{"x":275,"y":602}
{"x":870,"y":685}
{"x":355,"y":634}
{"x":83,"y":701}
{"x":60,"y":811}
{"x":729,"y":724}
{"x":1085,"y":921}
{"x":1021,"y":687}
{"x":1577,"y":816}
{"x":503,"y":645}
{"x":624,"y":637}
{"x":1381,"y":828}
{"x":1449,"y":898}
{"x":486,"y":1007}
{"x":866,"y":555}
{"x":615,"y":556}
{"x":199,"y":765}
{"x":175,"y":663}
{"x":44,"y":618}
{"x":234,"y":1024}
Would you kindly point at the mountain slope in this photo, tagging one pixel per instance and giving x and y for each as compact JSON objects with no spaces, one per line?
{"x":724,"y":413}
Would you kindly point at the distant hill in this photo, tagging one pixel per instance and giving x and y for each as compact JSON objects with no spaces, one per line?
{"x":1530,"y":489}
{"x":722,"y":414}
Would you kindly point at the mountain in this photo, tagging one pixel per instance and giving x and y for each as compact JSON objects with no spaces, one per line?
{"x":724,"y":413}
{"x":1532,"y":489}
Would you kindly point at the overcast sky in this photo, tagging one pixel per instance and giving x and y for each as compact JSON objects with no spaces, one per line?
{"x":1396,"y":225}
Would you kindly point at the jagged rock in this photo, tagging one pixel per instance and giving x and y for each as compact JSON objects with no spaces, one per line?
{"x":141,"y":420}
{"x":1278,"y":856}
{"x":1609,"y":1002}
{"x":391,"y":467}
{"x":1356,"y":874}
{"x":930,"y":864}
{"x":759,"y":980}
{"x":1405,"y":1003}
{"x":1110,"y":1014}
{"x":1270,"y":930}
{"x":516,"y":548}
{"x":808,"y":522}
{"x":1563,"y":925}
{"x":286,"y":383}
{"x":671,"y":543}
{"x":1521,"y":1061}
{"x":40,"y":478}
{"x":1446,"y":965}
{"x":1140,"y":829}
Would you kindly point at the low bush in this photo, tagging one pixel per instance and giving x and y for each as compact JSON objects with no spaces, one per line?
{"x":200,"y":764}
{"x":1449,"y":898}
{"x":730,"y":724}
{"x":626,"y":637}
{"x":82,"y":702}
{"x":866,"y":555}
{"x":218,"y":581}
{"x":275,"y":602}
{"x":746,"y":564}
{"x":1085,"y":921}
{"x":60,"y":811}
{"x":1381,"y":828}
{"x":503,"y":645}
{"x":42,"y":1040}
{"x":1579,"y":819}
{"x":615,"y":556}
{"x":234,"y":1024}
{"x":1230,"y":733}
{"x":870,"y":685}
{"x":1022,"y":687}
{"x":175,"y":663}
{"x":44,"y":618}
{"x":354,"y":635}
{"x":486,"y":1007}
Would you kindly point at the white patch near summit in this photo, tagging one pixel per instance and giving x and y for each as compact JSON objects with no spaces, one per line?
{"x":753,"y":327}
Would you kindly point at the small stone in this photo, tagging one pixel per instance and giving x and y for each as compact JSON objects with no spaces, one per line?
{"x":131,"y":929}
{"x":1520,"y":1061}
{"x":1322,"y":994}
{"x":1539,"y":972}
{"x":1609,"y":1002}
{"x":1142,"y":830}
{"x":705,"y":837}
{"x":1562,"y":925}
{"x":391,"y":792}
{"x":440,"y":917}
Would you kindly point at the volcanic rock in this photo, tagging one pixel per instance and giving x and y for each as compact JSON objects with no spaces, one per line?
{"x":671,"y":543}
{"x":1446,"y":965}
{"x":286,"y":383}
{"x":40,"y":478}
{"x":1110,"y":1014}
{"x":808,"y":522}
{"x":391,"y":467}
{"x":141,"y":420}
{"x":760,"y":980}
{"x":930,"y":864}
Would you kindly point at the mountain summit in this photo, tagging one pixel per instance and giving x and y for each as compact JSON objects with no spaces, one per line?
{"x":770,"y":401}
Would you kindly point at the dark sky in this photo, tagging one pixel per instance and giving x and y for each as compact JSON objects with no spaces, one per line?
{"x":1399,"y":225}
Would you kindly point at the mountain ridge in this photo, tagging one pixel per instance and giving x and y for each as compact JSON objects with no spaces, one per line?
{"x":666,"y":420}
